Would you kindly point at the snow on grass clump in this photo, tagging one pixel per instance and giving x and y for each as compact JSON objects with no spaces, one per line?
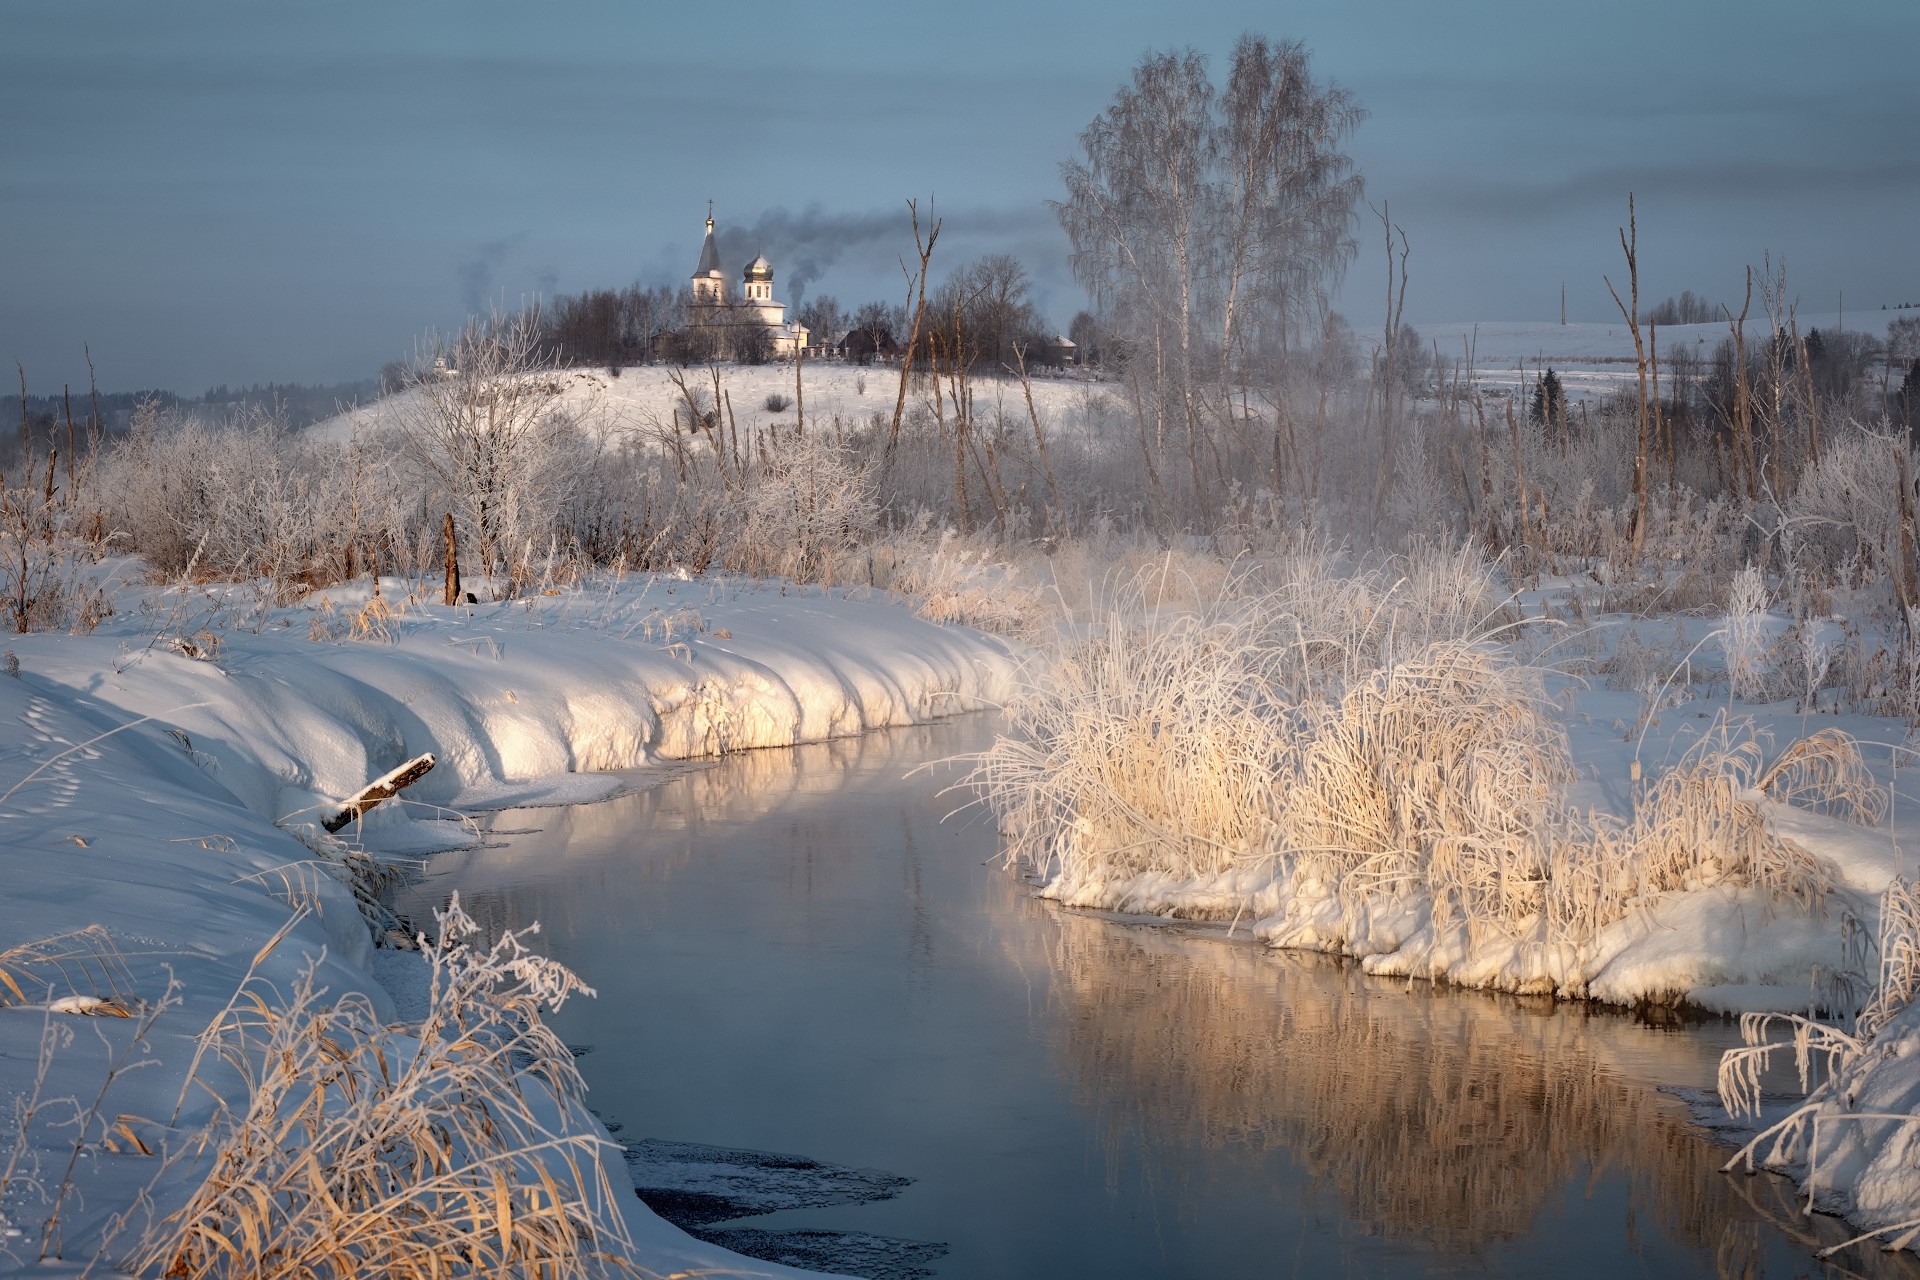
{"x":1352,"y":758}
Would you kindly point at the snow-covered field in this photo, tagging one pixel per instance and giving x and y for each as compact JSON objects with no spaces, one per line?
{"x":1595,"y":359}
{"x":156,"y":790}
{"x":642,"y":401}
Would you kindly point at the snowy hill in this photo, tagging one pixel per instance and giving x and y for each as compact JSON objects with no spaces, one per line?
{"x":642,"y":399}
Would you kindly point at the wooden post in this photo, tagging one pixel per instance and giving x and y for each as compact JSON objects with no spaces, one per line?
{"x":453,"y":563}
{"x":799,"y":392}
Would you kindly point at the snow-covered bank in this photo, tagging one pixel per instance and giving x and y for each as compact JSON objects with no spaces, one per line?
{"x":167,"y":833}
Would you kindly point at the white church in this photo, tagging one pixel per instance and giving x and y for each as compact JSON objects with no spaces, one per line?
{"x":727,"y":317}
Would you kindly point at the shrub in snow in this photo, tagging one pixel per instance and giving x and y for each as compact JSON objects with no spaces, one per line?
{"x":808,"y":502}
{"x":1743,"y":635}
{"x":480,"y":416}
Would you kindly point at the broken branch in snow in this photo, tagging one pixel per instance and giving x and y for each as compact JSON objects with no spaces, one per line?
{"x":385,"y":787}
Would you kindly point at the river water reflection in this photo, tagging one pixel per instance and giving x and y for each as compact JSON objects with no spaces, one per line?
{"x":795,"y":953}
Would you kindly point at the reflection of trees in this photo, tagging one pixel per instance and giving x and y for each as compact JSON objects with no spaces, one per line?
{"x":649,"y":835}
{"x":1447,"y":1119}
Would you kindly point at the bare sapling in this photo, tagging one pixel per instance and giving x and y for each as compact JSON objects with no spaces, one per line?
{"x":917,"y":293}
{"x":1746,"y":468}
{"x":1055,"y":510}
{"x":1630,"y":312}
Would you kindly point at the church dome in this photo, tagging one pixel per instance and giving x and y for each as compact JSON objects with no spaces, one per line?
{"x":759,"y":271}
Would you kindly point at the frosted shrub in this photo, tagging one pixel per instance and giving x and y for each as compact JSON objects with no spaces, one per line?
{"x":153,"y":485}
{"x":1360,"y":737}
{"x":481,"y":420}
{"x":249,"y":498}
{"x":1847,"y":503}
{"x":1743,"y":634}
{"x":1186,"y":742}
{"x":808,"y":502}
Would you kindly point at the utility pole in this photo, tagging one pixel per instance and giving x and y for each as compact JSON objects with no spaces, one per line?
{"x":1563,"y":302}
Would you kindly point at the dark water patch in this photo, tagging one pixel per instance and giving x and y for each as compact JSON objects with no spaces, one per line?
{"x":846,"y":1253}
{"x":691,"y":1184}
{"x":695,"y":1187}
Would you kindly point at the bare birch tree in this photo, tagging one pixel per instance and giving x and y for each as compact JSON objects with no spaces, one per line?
{"x":1198,"y":218}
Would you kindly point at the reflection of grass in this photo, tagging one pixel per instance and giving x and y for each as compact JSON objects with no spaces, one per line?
{"x":1452,"y":1121}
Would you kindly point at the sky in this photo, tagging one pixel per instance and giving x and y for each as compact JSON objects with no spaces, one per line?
{"x":205,"y":191}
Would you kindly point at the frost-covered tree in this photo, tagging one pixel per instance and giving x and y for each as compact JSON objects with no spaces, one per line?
{"x":807,"y":503}
{"x":481,"y":418}
{"x":1211,"y":223}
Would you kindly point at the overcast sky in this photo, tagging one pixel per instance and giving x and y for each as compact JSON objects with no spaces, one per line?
{"x":235,"y":192}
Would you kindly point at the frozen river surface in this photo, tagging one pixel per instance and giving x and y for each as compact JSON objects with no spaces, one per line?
{"x":795,"y":953}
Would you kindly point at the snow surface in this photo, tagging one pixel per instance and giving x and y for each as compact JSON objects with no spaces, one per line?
{"x":151,"y":791}
{"x":643,"y":400}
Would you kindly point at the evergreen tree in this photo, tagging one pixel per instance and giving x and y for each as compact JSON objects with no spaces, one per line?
{"x":1549,"y":402}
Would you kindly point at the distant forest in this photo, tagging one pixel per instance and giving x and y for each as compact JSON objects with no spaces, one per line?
{"x":47,"y":416}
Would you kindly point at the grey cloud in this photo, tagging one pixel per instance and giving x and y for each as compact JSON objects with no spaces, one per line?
{"x":1719,"y":183}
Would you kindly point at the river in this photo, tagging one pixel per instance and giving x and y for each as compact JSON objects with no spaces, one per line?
{"x":807,"y":951}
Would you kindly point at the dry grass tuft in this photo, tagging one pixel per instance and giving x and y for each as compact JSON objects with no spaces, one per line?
{"x":460,"y":1147}
{"x":1697,"y":826}
{"x":1143,"y":747}
{"x":1898,"y":980}
{"x":1825,"y":772}
{"x":958,"y":581}
{"x":372,"y":623}
{"x":87,"y":962}
{"x":1439,"y":772}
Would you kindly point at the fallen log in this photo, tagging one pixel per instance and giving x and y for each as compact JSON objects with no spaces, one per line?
{"x":385,"y":787}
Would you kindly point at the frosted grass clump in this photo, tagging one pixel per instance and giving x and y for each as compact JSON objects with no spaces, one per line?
{"x":458,"y":1147}
{"x":964,"y":581}
{"x":1361,"y":738}
{"x":1142,"y":746}
{"x":1441,"y":773}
